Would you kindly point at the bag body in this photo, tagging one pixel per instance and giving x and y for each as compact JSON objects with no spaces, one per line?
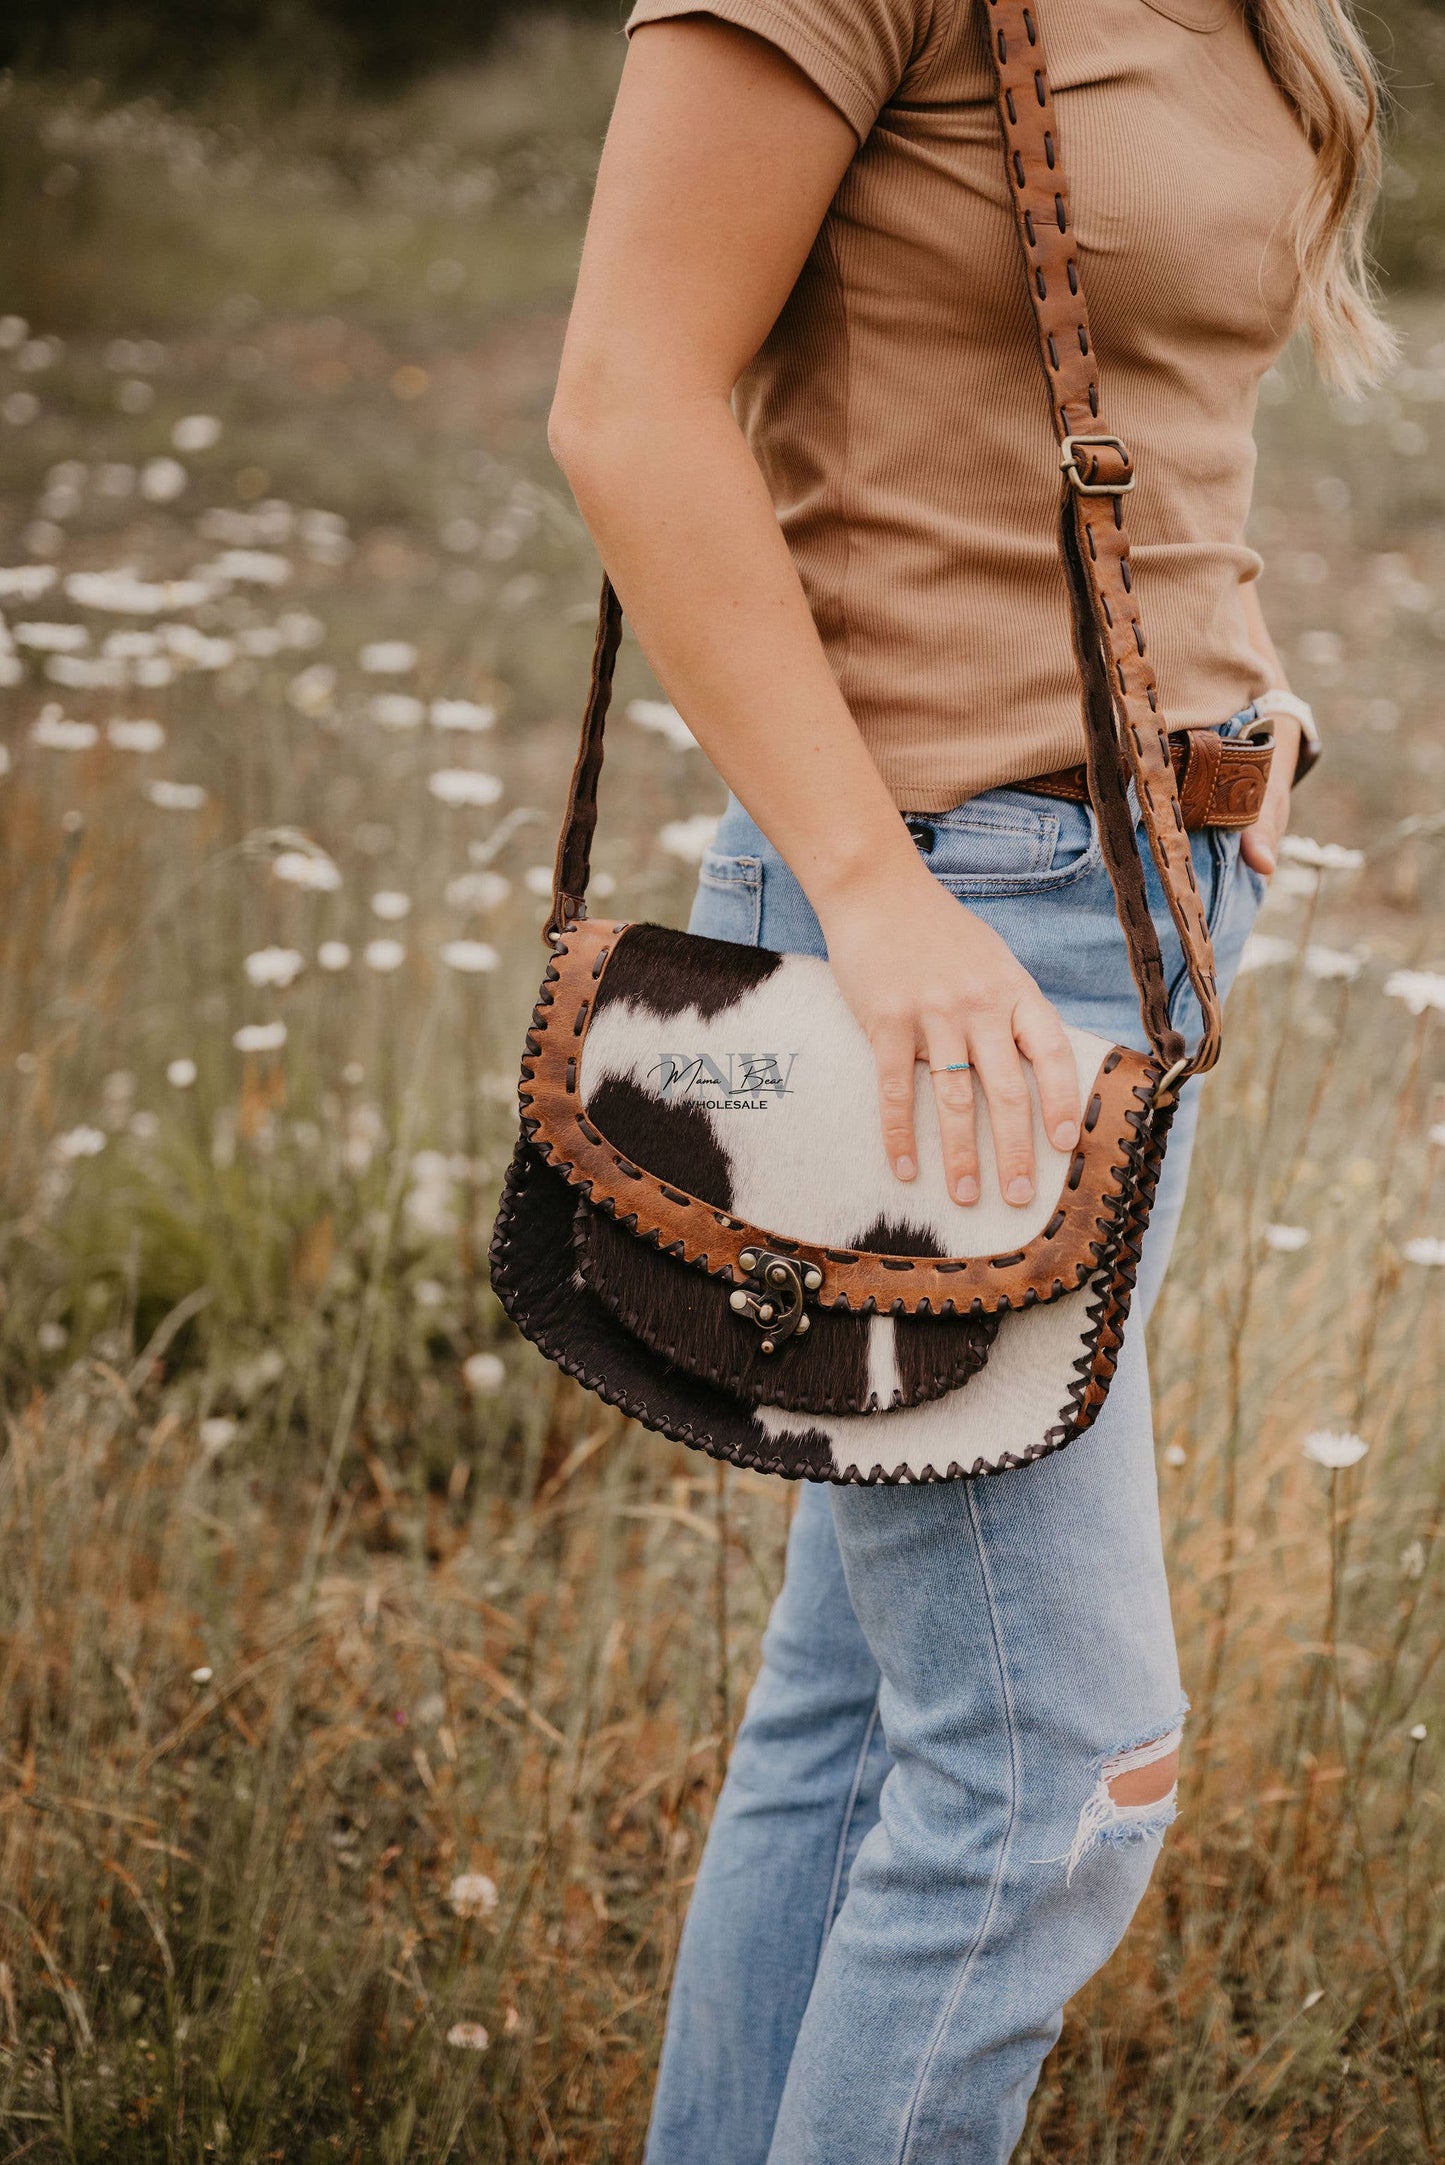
{"x":1034,"y":872}
{"x":699,"y":1222}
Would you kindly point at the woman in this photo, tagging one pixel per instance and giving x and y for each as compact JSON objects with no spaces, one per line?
{"x":801,"y":411}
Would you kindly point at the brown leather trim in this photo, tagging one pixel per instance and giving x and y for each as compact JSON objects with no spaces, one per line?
{"x":1132,"y":740}
{"x":1055,"y":1262}
{"x":1221,"y":780}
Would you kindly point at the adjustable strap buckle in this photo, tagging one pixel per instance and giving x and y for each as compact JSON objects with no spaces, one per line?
{"x":1093,"y":475}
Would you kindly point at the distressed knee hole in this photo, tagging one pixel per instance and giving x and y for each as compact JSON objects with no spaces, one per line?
{"x":1133,"y":1797}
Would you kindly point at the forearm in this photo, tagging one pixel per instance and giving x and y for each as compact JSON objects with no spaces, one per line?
{"x":683,"y":521}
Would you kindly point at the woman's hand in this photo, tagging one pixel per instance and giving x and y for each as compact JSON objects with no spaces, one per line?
{"x":930,"y":981}
{"x":1260,"y":847}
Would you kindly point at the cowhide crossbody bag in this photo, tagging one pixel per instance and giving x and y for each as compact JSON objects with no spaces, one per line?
{"x":736,"y":1265}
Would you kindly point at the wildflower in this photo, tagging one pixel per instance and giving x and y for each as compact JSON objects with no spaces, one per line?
{"x":260,"y":1037}
{"x":1263,"y":950}
{"x":299,"y":628}
{"x":1175,"y":1455}
{"x":130,"y":645}
{"x":58,"y":733}
{"x":248,"y":567}
{"x":125,"y":593}
{"x":469,"y":956}
{"x":202,"y":1675}
{"x":511,"y":2022}
{"x":1295,"y":881}
{"x":51,"y":1337}
{"x":80,"y":673}
{"x":430,"y":1201}
{"x":81,"y":1142}
{"x":1413,"y":1560}
{"x":19,"y":408}
{"x":387,"y":658}
{"x":468,"y":2037}
{"x":484,"y":1372}
{"x":688,"y":838}
{"x":163,"y":480}
{"x":181,"y":1074}
{"x":312,"y":690}
{"x":478,"y":890}
{"x":311,"y":869}
{"x":463,"y":714}
{"x":274,"y":966}
{"x":1285,"y":1239}
{"x":660,"y":716}
{"x":464,"y":785}
{"x":176,"y":796}
{"x":390,"y":906}
{"x":429,"y":1293}
{"x":217,"y":1432}
{"x":135,"y":736}
{"x":1419,"y":989}
{"x":383,"y":955}
{"x":14,"y":330}
{"x":396,"y":710}
{"x":1419,"y":1733}
{"x":1335,"y":1448}
{"x":1324,"y":856}
{"x":537,"y":879}
{"x":52,"y":638}
{"x":26,"y":582}
{"x":196,"y":432}
{"x":472,"y":1894}
{"x":1332,"y":962}
{"x":333,"y":955}
{"x":466,"y":715}
{"x":1428,"y":1249}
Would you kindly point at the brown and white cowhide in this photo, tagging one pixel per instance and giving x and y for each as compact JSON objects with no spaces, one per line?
{"x":740,"y":1076}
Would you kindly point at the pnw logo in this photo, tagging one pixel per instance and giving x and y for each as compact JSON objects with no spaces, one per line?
{"x":725,"y":1082}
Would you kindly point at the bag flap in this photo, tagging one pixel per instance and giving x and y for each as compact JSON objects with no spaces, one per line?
{"x":720,"y":1101}
{"x":838,"y":1363}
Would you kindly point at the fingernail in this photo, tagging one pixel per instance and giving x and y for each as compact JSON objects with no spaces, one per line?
{"x":967,"y":1189}
{"x":904,"y":1168}
{"x":1019,"y":1190}
{"x":1066,"y":1134}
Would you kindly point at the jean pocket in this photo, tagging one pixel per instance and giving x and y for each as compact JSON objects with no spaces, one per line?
{"x":1009,"y":842}
{"x":728,"y":904}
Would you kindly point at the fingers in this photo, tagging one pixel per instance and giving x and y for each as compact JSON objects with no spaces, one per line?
{"x":1010,"y":1108}
{"x":1260,"y":846}
{"x":894,"y":1056}
{"x":953,"y":1095}
{"x":1043,"y":1041}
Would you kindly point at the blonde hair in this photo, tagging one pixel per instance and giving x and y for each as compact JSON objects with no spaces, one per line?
{"x":1326,"y":72}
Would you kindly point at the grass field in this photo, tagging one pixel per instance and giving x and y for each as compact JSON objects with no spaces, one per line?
{"x":366,"y":1688}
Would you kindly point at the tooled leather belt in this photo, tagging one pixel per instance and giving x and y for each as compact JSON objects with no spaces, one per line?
{"x":1221,"y":780}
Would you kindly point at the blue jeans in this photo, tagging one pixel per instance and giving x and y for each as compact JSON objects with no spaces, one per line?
{"x":915,"y":1859}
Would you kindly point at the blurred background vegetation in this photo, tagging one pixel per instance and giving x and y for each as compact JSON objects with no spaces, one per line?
{"x":364,"y":1689}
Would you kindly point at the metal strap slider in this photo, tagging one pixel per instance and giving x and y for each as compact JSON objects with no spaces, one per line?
{"x":1084,"y":474}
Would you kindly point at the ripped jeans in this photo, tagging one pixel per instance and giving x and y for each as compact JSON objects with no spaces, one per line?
{"x":918,"y":1854}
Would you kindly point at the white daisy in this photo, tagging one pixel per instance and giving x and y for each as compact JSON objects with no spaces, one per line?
{"x":1335,"y":1448}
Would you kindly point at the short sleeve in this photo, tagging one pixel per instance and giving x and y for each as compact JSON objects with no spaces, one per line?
{"x":857,"y":52}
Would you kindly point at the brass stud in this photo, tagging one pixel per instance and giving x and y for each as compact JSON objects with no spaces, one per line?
{"x":812,"y":1278}
{"x":748,"y":1260}
{"x":765,"y":1312}
{"x":767,"y":1345}
{"x":778,"y":1274}
{"x":805,"y":1323}
{"x":738,"y":1301}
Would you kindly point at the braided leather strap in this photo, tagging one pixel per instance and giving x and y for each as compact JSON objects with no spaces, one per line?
{"x":1128,"y":738}
{"x":1126,"y":734}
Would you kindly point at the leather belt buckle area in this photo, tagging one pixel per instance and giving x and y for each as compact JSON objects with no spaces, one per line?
{"x":1080,"y":459}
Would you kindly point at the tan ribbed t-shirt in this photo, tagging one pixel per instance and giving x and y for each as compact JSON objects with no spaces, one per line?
{"x":898,"y":408}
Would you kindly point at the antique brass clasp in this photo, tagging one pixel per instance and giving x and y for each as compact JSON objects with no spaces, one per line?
{"x":773,"y":1297}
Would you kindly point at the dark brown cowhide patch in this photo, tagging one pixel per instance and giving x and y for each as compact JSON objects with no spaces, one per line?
{"x":668,"y":972}
{"x":672,"y":1141}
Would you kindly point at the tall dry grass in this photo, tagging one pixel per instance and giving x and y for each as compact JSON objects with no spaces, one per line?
{"x":365,"y":1687}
